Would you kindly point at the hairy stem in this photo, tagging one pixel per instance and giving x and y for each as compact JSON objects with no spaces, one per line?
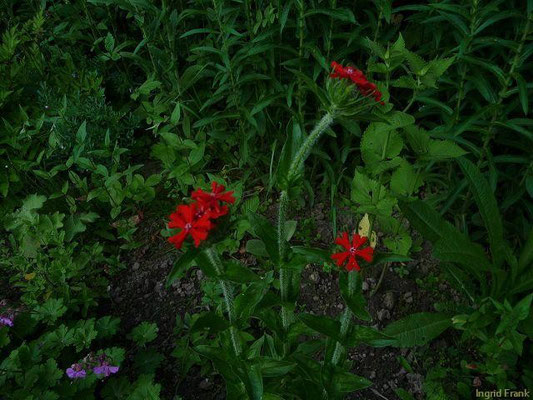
{"x":295,"y":167}
{"x":284,"y":274}
{"x":305,"y":150}
{"x":345,"y":319}
{"x":228,"y":297}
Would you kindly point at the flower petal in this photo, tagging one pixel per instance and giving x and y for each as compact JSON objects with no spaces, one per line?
{"x":343,"y":241}
{"x":352,"y":264}
{"x":340,"y":258}
{"x":366,"y":254}
{"x":198,"y":236}
{"x":358,"y":241}
{"x":177,"y":240}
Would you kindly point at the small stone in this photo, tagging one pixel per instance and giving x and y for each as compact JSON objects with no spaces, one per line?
{"x":314,"y":277}
{"x":205,"y":384}
{"x":409,"y":300}
{"x":315,"y":298}
{"x":365,"y":286}
{"x":199,"y":274}
{"x":383,"y":314}
{"x":388,"y":300}
{"x":136,"y":266}
{"x":372,"y":375}
{"x":159,"y":288}
{"x":340,"y":306}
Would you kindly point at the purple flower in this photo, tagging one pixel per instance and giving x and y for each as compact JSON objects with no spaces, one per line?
{"x":5,"y":321}
{"x":105,"y":369}
{"x":76,"y":371}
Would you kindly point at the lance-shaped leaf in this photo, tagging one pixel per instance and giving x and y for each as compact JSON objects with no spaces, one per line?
{"x":418,"y":329}
{"x":181,"y":264}
{"x":237,"y":272}
{"x":355,"y":300}
{"x":488,"y":208}
{"x":211,"y":322}
{"x":264,"y":230}
{"x":323,"y":325}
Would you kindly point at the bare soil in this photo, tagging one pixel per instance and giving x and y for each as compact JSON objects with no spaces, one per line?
{"x":138,"y":294}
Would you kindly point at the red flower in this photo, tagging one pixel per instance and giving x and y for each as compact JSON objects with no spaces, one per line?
{"x":213,"y":209}
{"x":185,"y":218}
{"x":197,"y":218}
{"x":353,"y":250}
{"x":217,"y":194}
{"x":356,"y":76}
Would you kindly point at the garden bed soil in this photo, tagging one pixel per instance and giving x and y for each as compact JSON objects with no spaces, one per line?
{"x":138,"y":294}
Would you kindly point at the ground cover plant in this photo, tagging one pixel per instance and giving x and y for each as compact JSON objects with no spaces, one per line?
{"x":237,"y":199}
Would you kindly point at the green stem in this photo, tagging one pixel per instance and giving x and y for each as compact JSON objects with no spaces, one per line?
{"x":301,"y":25}
{"x":345,"y":319}
{"x":305,"y":150}
{"x":284,"y":274}
{"x":490,"y":134}
{"x":295,"y":167}
{"x":228,"y":297}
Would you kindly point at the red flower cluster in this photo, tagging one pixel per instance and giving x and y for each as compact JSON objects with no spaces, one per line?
{"x":353,"y":250}
{"x":356,"y":76}
{"x":196,"y":219}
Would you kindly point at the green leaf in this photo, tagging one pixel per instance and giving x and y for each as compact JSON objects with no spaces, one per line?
{"x":82,"y":132}
{"x":254,"y":382}
{"x":323,"y":325}
{"x":264,"y":230}
{"x":50,"y":311}
{"x":290,"y":228}
{"x":237,"y":272}
{"x":361,"y":334}
{"x":520,"y":312}
{"x":418,"y":139}
{"x":271,"y":367}
{"x":145,"y":389}
{"x":488,"y":208}
{"x":312,"y":254}
{"x":370,"y":196}
{"x":418,"y":329}
{"x":181,"y":264}
{"x":457,"y":248}
{"x":380,"y":143}
{"x":346,"y":382}
{"x":33,"y":202}
{"x":144,"y":333}
{"x":147,"y":361}
{"x":522,"y":93}
{"x":355,"y":301}
{"x":256,"y":247}
{"x":341,"y":14}
{"x":526,"y":254}
{"x":424,"y":219}
{"x":107,"y":326}
{"x":176,"y":114}
{"x":246,"y":302}
{"x":211,"y":322}
{"x":443,"y":149}
{"x":405,"y":180}
{"x":109,"y":42}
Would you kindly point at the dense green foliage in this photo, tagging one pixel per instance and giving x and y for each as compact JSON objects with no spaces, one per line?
{"x":115,"y":110}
